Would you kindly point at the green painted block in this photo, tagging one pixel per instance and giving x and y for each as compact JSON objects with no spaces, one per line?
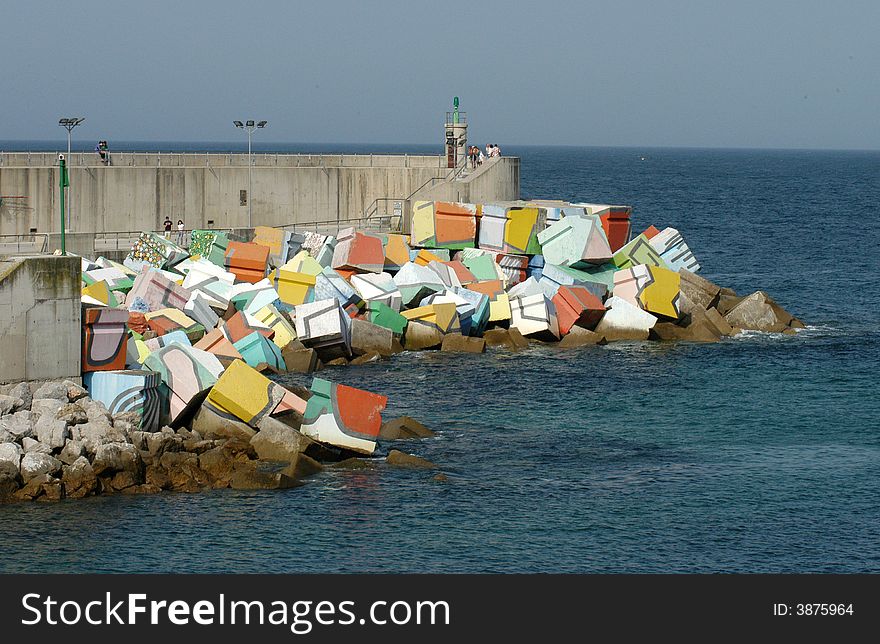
{"x":383,"y":315}
{"x":482,"y":266}
{"x":638,"y":251}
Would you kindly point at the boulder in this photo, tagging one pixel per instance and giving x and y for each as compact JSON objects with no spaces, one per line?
{"x":35,"y":464}
{"x":300,"y":360}
{"x":79,"y":479}
{"x":518,"y":339}
{"x":31,"y":445}
{"x":759,"y":312}
{"x":23,"y":392}
{"x":34,"y":487}
{"x":10,"y":479}
{"x":183,"y":471}
{"x":396,"y":458}
{"x":51,"y":432}
{"x":457,"y":343}
{"x":698,"y":331}
{"x":17,"y":425}
{"x":698,"y":291}
{"x":367,"y":337}
{"x":337,"y":362}
{"x":11,"y":453}
{"x":510,"y":338}
{"x":53,"y":390}
{"x":45,"y":407}
{"x":714,"y":318}
{"x":366,"y":359}
{"x":127,"y":418}
{"x":727,"y":302}
{"x":212,"y":426}
{"x":92,"y":435}
{"x":96,"y":411}
{"x":403,"y":428}
{"x":579,"y":337}
{"x":302,"y":467}
{"x":72,"y":414}
{"x":71,"y":451}
{"x":258,"y":475}
{"x":354,"y":463}
{"x":74,"y":391}
{"x":158,"y":443}
{"x":219,"y":464}
{"x":277,"y":442}
{"x":8,"y":403}
{"x":118,"y":457}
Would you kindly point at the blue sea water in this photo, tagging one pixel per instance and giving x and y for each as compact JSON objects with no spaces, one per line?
{"x":757,"y":454}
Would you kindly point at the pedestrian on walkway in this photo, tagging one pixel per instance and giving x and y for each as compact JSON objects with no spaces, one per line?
{"x":181,"y":236}
{"x":167,"y":226}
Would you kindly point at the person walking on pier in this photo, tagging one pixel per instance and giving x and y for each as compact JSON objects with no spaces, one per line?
{"x":181,"y":237}
{"x":167,"y":226}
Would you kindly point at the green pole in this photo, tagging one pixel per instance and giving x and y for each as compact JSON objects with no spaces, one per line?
{"x":63,"y":182}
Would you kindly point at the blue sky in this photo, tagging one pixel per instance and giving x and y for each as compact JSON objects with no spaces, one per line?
{"x":726,"y":74}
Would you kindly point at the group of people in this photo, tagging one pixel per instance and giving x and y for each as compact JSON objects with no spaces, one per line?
{"x":181,"y":231}
{"x":476,"y":156}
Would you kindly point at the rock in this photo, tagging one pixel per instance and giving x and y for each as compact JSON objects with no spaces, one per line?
{"x":698,"y":291}
{"x":714,"y":318}
{"x":8,"y":403}
{"x":71,"y":452}
{"x":74,"y":391}
{"x":300,"y":360}
{"x":510,"y":338}
{"x":219,"y":463}
{"x":79,"y":479}
{"x":10,"y":479}
{"x":213,"y":426}
{"x":35,"y":464}
{"x":123,"y":480}
{"x":139,"y":439}
{"x":51,"y":432}
{"x":45,"y":407}
{"x":184,"y":473}
{"x":131,"y":418}
{"x":695,"y":332}
{"x":52,"y":490}
{"x":53,"y":390}
{"x":367,"y":337}
{"x":256,"y":475}
{"x":440,"y":478}
{"x":396,"y":458}
{"x":118,"y":457}
{"x":158,"y":443}
{"x":354,"y":463}
{"x":33,"y":488}
{"x":23,"y":392}
{"x":302,"y":467}
{"x":72,"y":414}
{"x":30,"y":445}
{"x":96,"y":411}
{"x":726,"y":302}
{"x":518,"y":339}
{"x":579,"y":337}
{"x":403,"y":428}
{"x":277,"y":442}
{"x":759,"y":312}
{"x":92,"y":435}
{"x":197,"y":447}
{"x":337,"y":362}
{"x":17,"y":425}
{"x":365,"y":359}
{"x":11,"y":453}
{"x":457,"y":343}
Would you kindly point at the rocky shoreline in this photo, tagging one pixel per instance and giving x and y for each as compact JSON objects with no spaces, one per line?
{"x":57,"y":443}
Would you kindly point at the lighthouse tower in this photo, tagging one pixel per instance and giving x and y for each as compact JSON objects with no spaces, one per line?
{"x":456,"y":136}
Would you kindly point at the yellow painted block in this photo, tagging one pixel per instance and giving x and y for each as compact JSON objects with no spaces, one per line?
{"x":175,"y":315}
{"x":396,"y":251}
{"x":446,"y":316}
{"x":661,"y":294}
{"x":100,"y":291}
{"x":292,"y":286}
{"x":520,"y":224}
{"x":284,"y":332}
{"x":419,"y":313}
{"x":499,"y":308}
{"x":425,"y":257}
{"x":142,"y":350}
{"x":271,"y":238}
{"x":422,"y":223}
{"x":302,"y":262}
{"x":242,"y":391}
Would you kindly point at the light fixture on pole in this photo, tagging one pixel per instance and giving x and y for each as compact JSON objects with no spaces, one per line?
{"x":69,"y":124}
{"x":250,"y":127}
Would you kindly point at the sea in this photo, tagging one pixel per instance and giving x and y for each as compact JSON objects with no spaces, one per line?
{"x":759,"y":454}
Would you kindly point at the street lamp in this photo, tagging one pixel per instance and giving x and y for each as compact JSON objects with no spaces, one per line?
{"x":250,"y":127}
{"x":69,"y":124}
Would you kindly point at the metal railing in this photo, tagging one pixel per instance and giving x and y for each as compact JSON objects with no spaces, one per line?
{"x":30,"y":243}
{"x":332,"y":227}
{"x":125,"y":239}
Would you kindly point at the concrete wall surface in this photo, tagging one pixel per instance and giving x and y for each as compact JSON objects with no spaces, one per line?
{"x":40,"y":318}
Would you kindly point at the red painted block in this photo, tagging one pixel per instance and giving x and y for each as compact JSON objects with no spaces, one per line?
{"x":242,"y":325}
{"x":575,"y":305}
{"x":247,"y":261}
{"x":617,"y":225}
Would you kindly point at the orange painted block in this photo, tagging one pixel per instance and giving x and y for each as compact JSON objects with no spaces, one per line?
{"x":575,"y":305}
{"x":346,"y":274}
{"x":425,"y":257}
{"x":247,"y":261}
{"x":651,"y":232}
{"x":242,"y":325}
{"x":492,"y":288}
{"x":396,"y":253}
{"x":461,"y":271}
{"x":359,"y":252}
{"x":218,"y":344}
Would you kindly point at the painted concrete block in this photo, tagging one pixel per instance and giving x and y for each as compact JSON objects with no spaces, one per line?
{"x":156,"y":251}
{"x":200,"y":242}
{"x":383,"y":315}
{"x":320,"y":247}
{"x":499,"y":302}
{"x":465,"y":308}
{"x":124,"y":391}
{"x":242,"y":324}
{"x":440,"y":224}
{"x":158,"y":292}
{"x":576,"y":305}
{"x":323,"y":324}
{"x":359,"y":252}
{"x":483,"y":267}
{"x":615,"y":221}
{"x":536,"y":266}
{"x":513,"y":267}
{"x":423,"y":257}
{"x":575,"y":241}
{"x":462,"y":272}
{"x":654,"y":289}
{"x":396,"y":253}
{"x":247,"y":261}
{"x":216,"y":290}
{"x":272,"y":318}
{"x":218,"y":344}
{"x":166,"y":320}
{"x":291,"y":244}
{"x":511,"y":229}
{"x":116,"y":279}
{"x":446,"y":273}
{"x":294,"y":287}
{"x":528,"y":287}
{"x":330,"y":285}
{"x":670,"y":245}
{"x":198,"y":307}
{"x":255,"y":349}
{"x":378,"y":287}
{"x":367,"y":337}
{"x":553,"y":276}
{"x":249,"y":297}
{"x":638,"y":251}
{"x":244,"y":393}
{"x":271,"y":238}
{"x":343,"y":416}
{"x":154,"y":344}
{"x":428,"y":324}
{"x":104,"y":339}
{"x":99,"y":294}
{"x":534,"y":315}
{"x":185,"y":379}
{"x":416,"y":282}
{"x":624,"y":321}
{"x":480,"y":315}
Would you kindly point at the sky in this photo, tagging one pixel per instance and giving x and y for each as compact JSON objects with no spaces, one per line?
{"x":617,"y":73}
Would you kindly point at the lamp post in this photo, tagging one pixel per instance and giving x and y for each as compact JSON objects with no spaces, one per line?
{"x":250,"y":127}
{"x":69,"y":124}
